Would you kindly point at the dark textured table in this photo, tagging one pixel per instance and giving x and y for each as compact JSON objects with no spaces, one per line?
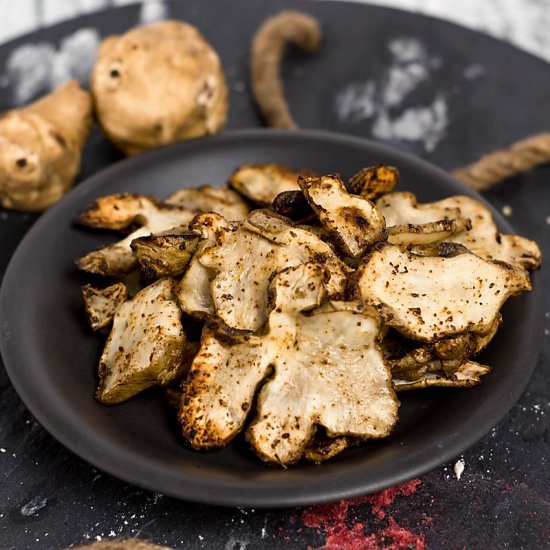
{"x":439,"y":91}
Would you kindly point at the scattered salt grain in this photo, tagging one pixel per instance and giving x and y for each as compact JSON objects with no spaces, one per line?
{"x":507,"y":210}
{"x":459,"y":468}
{"x":2,"y":450}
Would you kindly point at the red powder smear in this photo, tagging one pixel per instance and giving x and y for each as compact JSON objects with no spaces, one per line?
{"x":385,"y":498}
{"x":392,"y":537}
{"x":320,"y":516}
{"x":401,"y":537}
{"x":332,"y":518}
{"x":341,"y":537}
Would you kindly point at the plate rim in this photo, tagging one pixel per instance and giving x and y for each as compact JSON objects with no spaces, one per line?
{"x":235,"y":498}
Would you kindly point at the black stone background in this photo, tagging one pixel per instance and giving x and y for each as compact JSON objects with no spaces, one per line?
{"x":503,"y":497}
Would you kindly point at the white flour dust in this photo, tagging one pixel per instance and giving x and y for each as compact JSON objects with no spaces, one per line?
{"x":382,"y":100}
{"x":36,"y":68}
{"x":357,"y":102}
{"x":421,"y":124}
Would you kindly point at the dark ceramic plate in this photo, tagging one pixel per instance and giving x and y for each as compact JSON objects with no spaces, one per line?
{"x":51,"y":357}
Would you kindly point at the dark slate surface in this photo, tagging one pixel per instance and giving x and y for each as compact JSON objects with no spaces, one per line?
{"x":494,"y":94}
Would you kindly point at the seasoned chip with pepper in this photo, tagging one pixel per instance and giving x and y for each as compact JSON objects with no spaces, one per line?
{"x":321,"y":368}
{"x":120,"y":212}
{"x":102,"y":303}
{"x":146,"y":346}
{"x":427,"y":298}
{"x":352,"y":222}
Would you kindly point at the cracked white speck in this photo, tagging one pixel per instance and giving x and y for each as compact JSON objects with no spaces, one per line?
{"x":34,"y":505}
{"x":459,"y":468}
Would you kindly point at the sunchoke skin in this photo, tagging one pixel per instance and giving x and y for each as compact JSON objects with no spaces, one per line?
{"x":40,"y":148}
{"x":158,"y":84}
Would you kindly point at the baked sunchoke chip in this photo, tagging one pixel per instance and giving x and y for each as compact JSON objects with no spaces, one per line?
{"x":237,"y":268}
{"x":146,"y":346}
{"x":293,"y":205}
{"x":165,"y":255}
{"x":320,"y":369}
{"x":119,"y":212}
{"x":480,"y":234}
{"x":353,"y":223}
{"x":467,"y":375}
{"x":368,"y":183}
{"x":101,"y":304}
{"x":486,"y":241}
{"x":322,"y":448}
{"x":428,"y":298}
{"x":410,"y":223}
{"x":261,"y":183}
{"x":206,"y":198}
{"x":373,"y":181}
{"x":158,"y":84}
{"x":40,"y":148}
{"x":446,"y":363}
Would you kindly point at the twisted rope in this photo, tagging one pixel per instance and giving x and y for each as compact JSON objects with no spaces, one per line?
{"x":495,"y":167}
{"x":268,"y":47}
